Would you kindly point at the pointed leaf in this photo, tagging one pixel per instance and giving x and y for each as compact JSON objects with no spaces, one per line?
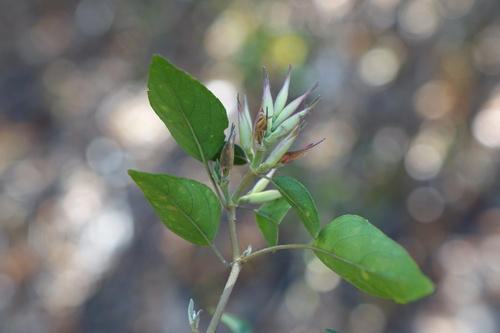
{"x":188,"y":208}
{"x":367,"y":258}
{"x":193,"y":115}
{"x":236,"y":324}
{"x":269,"y":216}
{"x":301,"y":201}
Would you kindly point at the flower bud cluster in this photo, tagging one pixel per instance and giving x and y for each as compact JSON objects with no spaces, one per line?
{"x":275,"y":127}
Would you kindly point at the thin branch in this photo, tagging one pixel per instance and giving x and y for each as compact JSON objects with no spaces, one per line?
{"x":231,"y":213}
{"x":247,"y":179}
{"x":226,"y":293}
{"x":287,"y":247}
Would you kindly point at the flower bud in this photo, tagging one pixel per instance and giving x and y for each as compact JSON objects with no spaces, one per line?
{"x":227,"y":156}
{"x":293,"y":106}
{"x":260,"y":129}
{"x":267,"y":101}
{"x":280,"y":102}
{"x":260,"y":197}
{"x":262,"y":183}
{"x":278,"y":152}
{"x":287,"y":126}
{"x":294,"y":155}
{"x":245,"y":128}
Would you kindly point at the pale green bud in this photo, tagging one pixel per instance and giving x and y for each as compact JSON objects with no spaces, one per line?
{"x":287,"y":126}
{"x":262,"y":183}
{"x":278,"y":152}
{"x":267,"y":102}
{"x":280,"y":102}
{"x":261,"y":197}
{"x":292,"y":107}
{"x":245,"y":128}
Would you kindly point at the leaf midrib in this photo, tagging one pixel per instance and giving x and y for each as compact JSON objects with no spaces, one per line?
{"x":183,"y":113}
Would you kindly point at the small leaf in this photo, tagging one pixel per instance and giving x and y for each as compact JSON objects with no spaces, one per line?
{"x":367,"y":258}
{"x":239,"y":154}
{"x":193,"y":115}
{"x":327,"y":330}
{"x":188,"y":208}
{"x":301,"y":201}
{"x":236,"y":324}
{"x":269,"y":216}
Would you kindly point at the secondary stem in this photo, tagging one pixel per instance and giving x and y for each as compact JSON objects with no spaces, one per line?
{"x":219,"y":310}
{"x":247,"y":179}
{"x":286,"y":247}
{"x":231,"y":211}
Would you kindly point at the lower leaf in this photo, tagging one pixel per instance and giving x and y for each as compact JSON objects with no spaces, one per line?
{"x":367,"y":258}
{"x":188,"y":208}
{"x":269,"y":216}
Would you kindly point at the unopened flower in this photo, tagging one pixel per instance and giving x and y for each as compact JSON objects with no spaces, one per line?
{"x":267,"y":102}
{"x":245,"y":128}
{"x":262,"y":183}
{"x":260,"y":129}
{"x":280,"y":102}
{"x":286,"y":127}
{"x":294,"y":155}
{"x":293,"y":107}
{"x":278,"y":152}
{"x":260,"y":197}
{"x":227,"y":156}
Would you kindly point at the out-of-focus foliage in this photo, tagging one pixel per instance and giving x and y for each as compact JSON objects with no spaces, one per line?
{"x":410,"y":110}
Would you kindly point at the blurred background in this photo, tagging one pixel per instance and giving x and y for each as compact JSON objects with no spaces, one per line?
{"x":411,"y":115}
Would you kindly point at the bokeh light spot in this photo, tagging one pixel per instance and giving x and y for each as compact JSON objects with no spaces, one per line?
{"x":433,"y":100}
{"x":94,"y":17}
{"x":390,"y":143}
{"x":367,"y":318}
{"x":301,"y":301}
{"x":225,"y":91}
{"x":487,"y":51}
{"x":289,"y":49}
{"x":419,"y":19}
{"x":379,"y":66}
{"x":425,"y":204}
{"x":423,"y":161}
{"x":319,"y":277}
{"x":227,"y":34}
{"x":486,"y":124}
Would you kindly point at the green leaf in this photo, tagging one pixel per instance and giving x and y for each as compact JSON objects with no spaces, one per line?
{"x":269,"y":216}
{"x":193,"y":115}
{"x":236,"y":324}
{"x":364,"y":256}
{"x":327,"y":330}
{"x":301,"y":201}
{"x":188,"y":208}
{"x":239,"y":154}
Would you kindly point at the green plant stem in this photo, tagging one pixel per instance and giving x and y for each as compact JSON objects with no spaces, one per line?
{"x":214,"y":184}
{"x":285,"y":247}
{"x":226,"y":293}
{"x":247,"y":179}
{"x":231,"y":212}
{"x":259,"y":155}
